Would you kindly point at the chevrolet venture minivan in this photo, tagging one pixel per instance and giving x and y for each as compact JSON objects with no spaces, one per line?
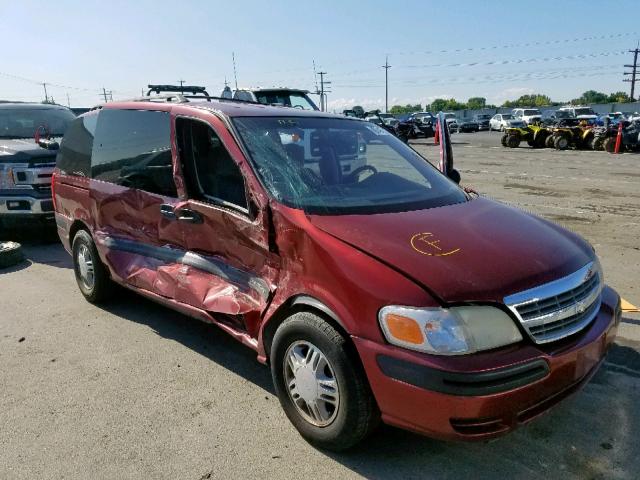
{"x":378,"y":293}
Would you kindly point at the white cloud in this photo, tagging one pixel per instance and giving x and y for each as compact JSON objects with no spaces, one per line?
{"x":509,"y":94}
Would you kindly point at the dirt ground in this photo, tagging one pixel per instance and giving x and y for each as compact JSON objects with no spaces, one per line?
{"x":133,"y":390}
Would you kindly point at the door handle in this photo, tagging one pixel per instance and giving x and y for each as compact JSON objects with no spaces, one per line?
{"x":167,"y":211}
{"x":188,"y":215}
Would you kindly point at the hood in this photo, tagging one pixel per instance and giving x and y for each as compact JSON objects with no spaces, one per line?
{"x":477,"y":251}
{"x":25,"y":150}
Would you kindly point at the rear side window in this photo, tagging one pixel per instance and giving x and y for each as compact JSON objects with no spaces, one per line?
{"x":133,"y":149}
{"x":74,"y":157}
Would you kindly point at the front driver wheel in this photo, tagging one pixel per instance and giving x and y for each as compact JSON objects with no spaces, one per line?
{"x":321,"y":387}
{"x":91,"y":275}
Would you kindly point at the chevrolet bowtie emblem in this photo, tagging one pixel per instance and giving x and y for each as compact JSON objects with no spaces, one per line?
{"x":426,"y":244}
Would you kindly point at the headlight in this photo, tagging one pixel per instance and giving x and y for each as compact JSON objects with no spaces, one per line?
{"x":452,"y":331}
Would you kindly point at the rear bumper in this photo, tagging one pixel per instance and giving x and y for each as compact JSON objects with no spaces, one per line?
{"x":482,"y":396}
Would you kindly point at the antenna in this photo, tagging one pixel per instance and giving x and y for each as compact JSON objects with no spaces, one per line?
{"x":235,"y":75}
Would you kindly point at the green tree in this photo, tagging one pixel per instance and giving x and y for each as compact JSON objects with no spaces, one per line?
{"x":476,"y":103}
{"x":619,"y":97}
{"x":591,"y":96}
{"x":533,"y":100}
{"x":401,"y":109}
{"x":445,"y":104}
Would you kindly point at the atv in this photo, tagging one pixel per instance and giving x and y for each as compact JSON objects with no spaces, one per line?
{"x":630,"y":137}
{"x":534,"y":135}
{"x":571,"y":133}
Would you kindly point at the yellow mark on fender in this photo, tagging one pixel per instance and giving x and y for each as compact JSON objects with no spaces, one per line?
{"x":426,"y":244}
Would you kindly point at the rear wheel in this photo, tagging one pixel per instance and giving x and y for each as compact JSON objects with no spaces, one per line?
{"x":531,"y":143}
{"x":549,"y":141}
{"x":561,"y":142}
{"x":503,"y":140}
{"x":321,"y":388}
{"x":513,"y":141}
{"x":91,"y":275}
{"x":609,"y":144}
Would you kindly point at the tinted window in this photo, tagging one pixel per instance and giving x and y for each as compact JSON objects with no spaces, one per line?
{"x":212,"y":175}
{"x":133,"y":149}
{"x":74,"y":157}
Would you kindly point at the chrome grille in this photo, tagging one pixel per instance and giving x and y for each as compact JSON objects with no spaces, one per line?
{"x":560,"y":308}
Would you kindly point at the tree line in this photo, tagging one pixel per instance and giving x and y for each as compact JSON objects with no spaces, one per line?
{"x":531,"y":100}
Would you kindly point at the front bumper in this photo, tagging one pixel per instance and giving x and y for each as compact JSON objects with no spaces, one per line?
{"x":481,"y":396}
{"x":20,"y":210}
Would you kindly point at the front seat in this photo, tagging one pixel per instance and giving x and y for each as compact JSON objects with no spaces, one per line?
{"x":329,"y":164}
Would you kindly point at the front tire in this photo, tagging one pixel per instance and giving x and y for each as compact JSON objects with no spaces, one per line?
{"x":320,"y":385}
{"x":92,"y":276}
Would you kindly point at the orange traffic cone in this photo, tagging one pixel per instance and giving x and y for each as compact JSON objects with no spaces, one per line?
{"x":618,"y":139}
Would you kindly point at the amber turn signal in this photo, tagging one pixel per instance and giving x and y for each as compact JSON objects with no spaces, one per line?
{"x":404,"y":329}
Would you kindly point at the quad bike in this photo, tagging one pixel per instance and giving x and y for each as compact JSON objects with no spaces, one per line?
{"x":534,"y":135}
{"x":579,"y":136}
{"x":630,"y":137}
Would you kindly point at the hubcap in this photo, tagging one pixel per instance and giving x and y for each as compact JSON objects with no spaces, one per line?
{"x":311,"y":383}
{"x":85,"y":267}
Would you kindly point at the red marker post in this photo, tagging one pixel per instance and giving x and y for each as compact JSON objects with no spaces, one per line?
{"x":436,"y":136}
{"x":618,"y":139}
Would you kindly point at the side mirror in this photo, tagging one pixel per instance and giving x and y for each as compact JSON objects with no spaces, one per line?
{"x":454,"y":175}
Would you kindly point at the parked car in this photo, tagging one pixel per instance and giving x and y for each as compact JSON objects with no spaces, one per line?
{"x":581,"y":113}
{"x":29,"y":136}
{"x":528,"y":115}
{"x":482,"y":120}
{"x":466,"y":125}
{"x":423,"y":117}
{"x":500,"y":121}
{"x":381,"y":292}
{"x":377,"y":117}
{"x":452,"y":121}
{"x":388,"y":119}
{"x":288,"y":97}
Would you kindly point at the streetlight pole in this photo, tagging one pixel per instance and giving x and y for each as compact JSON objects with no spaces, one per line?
{"x":386,"y":67}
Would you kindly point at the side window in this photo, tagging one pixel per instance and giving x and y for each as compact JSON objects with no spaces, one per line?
{"x":210,"y":172}
{"x":74,"y":157}
{"x":243,"y":95}
{"x":133,"y":149}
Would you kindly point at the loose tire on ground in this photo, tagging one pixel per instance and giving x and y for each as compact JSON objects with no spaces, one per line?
{"x":356,"y":414}
{"x":100,"y":288}
{"x":10,"y":254}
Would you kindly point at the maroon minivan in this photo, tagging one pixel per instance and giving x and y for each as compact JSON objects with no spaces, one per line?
{"x":374,"y":286}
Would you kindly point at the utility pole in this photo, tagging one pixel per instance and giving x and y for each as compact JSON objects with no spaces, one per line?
{"x":235,"y":75}
{"x":181,"y":83}
{"x":386,"y":67}
{"x":323,"y":91}
{"x":633,"y":72}
{"x":46,"y":97}
{"x":105,"y":93}
{"x":68,"y":101}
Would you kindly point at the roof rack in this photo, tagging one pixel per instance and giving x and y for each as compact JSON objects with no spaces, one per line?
{"x":193,"y":89}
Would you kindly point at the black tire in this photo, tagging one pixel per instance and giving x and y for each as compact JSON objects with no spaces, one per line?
{"x":357,"y":414}
{"x":609,"y":144}
{"x":512,"y":141}
{"x":561,"y":142}
{"x":102,"y":287}
{"x":598,"y":143}
{"x":540,"y":139}
{"x":531,"y":143}
{"x":10,"y":254}
{"x":503,"y":139}
{"x":550,"y":141}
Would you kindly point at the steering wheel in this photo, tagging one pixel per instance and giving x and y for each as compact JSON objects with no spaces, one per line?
{"x":354,"y":175}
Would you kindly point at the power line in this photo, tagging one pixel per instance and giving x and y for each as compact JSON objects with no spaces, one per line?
{"x":323,"y":91}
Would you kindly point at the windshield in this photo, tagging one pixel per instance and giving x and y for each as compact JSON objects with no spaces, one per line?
{"x":23,"y":122}
{"x":563,"y":114}
{"x":286,"y":98}
{"x":584,"y":111}
{"x":483,"y":117}
{"x":449,"y":115}
{"x":532,"y":111}
{"x":341,"y":166}
{"x":507,"y":116}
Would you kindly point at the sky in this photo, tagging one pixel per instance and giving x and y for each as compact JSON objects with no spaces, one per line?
{"x":460,"y":49}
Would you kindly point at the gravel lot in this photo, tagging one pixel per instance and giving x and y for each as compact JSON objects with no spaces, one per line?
{"x":133,"y":390}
